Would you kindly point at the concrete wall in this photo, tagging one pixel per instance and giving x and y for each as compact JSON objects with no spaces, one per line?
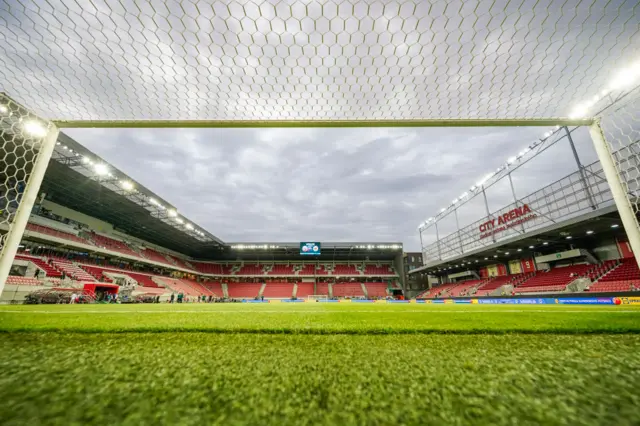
{"x":91,"y":222}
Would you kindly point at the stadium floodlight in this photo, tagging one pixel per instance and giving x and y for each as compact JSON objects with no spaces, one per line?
{"x":127,"y":185}
{"x":85,"y":160}
{"x":442,"y":210}
{"x":180,"y":221}
{"x":589,"y":232}
{"x":153,"y":201}
{"x":545,"y":243}
{"x":569,"y":237}
{"x":172,"y":213}
{"x":189,"y":226}
{"x":511,"y":160}
{"x":519,"y":249}
{"x":101,"y":169}
{"x":506,"y":253}
{"x":530,"y":247}
{"x":495,"y":255}
{"x":4,"y":109}
{"x":615,"y":225}
{"x":35,"y":128}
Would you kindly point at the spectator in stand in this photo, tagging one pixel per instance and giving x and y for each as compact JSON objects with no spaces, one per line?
{"x":172,"y":298}
{"x":73,"y":299}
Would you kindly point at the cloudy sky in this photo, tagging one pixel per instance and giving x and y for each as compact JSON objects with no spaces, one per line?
{"x":324,"y":184}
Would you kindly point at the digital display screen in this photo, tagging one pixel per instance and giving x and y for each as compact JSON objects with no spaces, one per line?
{"x":310,"y":249}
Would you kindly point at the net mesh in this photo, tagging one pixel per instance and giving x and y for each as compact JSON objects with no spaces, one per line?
{"x":621,"y":128}
{"x":21,"y":137}
{"x":311,"y":60}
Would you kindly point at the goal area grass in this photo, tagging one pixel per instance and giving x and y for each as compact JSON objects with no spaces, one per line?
{"x":316,"y":363}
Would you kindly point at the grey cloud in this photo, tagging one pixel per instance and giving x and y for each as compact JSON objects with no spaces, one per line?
{"x":325,"y":184}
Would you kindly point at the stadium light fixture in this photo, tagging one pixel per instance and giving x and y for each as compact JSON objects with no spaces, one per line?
{"x":101,"y":169}
{"x":486,"y":258}
{"x":3,"y":109}
{"x":172,"y":213}
{"x":506,"y":253}
{"x":495,"y":255}
{"x":85,"y":160}
{"x":519,"y":249}
{"x":531,"y":247}
{"x":189,"y":226}
{"x":126,"y":185}
{"x":545,"y":243}
{"x":35,"y":128}
{"x":180,"y":221}
{"x":615,"y":225}
{"x":589,"y":232}
{"x":569,"y":237}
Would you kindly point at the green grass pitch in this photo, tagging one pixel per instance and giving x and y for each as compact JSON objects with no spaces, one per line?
{"x":330,"y":364}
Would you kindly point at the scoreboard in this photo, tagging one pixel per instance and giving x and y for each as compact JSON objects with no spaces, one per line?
{"x":310,"y":249}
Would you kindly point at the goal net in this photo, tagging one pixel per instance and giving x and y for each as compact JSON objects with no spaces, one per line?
{"x":317,"y":297}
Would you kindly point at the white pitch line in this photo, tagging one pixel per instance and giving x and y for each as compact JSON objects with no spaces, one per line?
{"x":318,"y":312}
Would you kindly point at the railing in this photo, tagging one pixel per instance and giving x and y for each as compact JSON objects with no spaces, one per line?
{"x":564,"y":199}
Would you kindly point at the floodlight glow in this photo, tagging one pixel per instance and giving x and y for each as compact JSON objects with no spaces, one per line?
{"x":180,"y":221}
{"x":546,"y":135}
{"x":4,"y":109}
{"x":189,"y":226}
{"x":85,"y":160}
{"x":511,"y":160}
{"x":473,"y":188}
{"x":545,"y":243}
{"x":530,"y":247}
{"x":101,"y":169}
{"x":615,"y":225}
{"x":172,"y":213}
{"x":519,"y":249}
{"x":35,"y":128}
{"x":126,"y":185}
{"x":153,"y":201}
{"x":569,"y":237}
{"x":589,"y":232}
{"x":442,"y":210}
{"x":506,"y":253}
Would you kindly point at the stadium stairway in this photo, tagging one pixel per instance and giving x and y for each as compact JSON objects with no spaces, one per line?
{"x":261,"y":291}
{"x":49,"y":270}
{"x":295,"y":291}
{"x":225,"y":290}
{"x":73,"y":271}
{"x":364,"y":290}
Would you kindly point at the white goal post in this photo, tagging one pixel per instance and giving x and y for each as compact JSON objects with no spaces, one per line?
{"x":317,"y":297}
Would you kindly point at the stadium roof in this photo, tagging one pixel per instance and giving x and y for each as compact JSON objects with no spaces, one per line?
{"x":263,"y":63}
{"x":582,"y":232}
{"x":80,"y":180}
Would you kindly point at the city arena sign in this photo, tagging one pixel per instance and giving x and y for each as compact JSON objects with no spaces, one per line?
{"x":508,"y":220}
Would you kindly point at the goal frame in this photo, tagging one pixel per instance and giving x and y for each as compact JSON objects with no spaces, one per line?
{"x":317,"y":297}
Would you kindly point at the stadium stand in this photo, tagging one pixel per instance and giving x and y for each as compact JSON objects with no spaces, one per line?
{"x":177,"y":286}
{"x":374,"y":270}
{"x":321,"y":270}
{"x":49,"y":270}
{"x":322,"y":289}
{"x":307,"y":269}
{"x":622,"y":276}
{"x":151,"y":254}
{"x":463,"y":288}
{"x":212,"y":268}
{"x":554,"y":280}
{"x":72,"y":270}
{"x":626,"y":270}
{"x":251,"y":269}
{"x":347,"y":290}
{"x":376,"y":289}
{"x":179,"y":262}
{"x":198,"y":287}
{"x":280,"y":270}
{"x":243,"y":290}
{"x":55,"y":233}
{"x":304,"y":290}
{"x":493,"y":284}
{"x":278,"y":290}
{"x":215,"y":288}
{"x":111,"y":244}
{"x":98,"y":272}
{"x":340,"y":270}
{"x":17,"y":280}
